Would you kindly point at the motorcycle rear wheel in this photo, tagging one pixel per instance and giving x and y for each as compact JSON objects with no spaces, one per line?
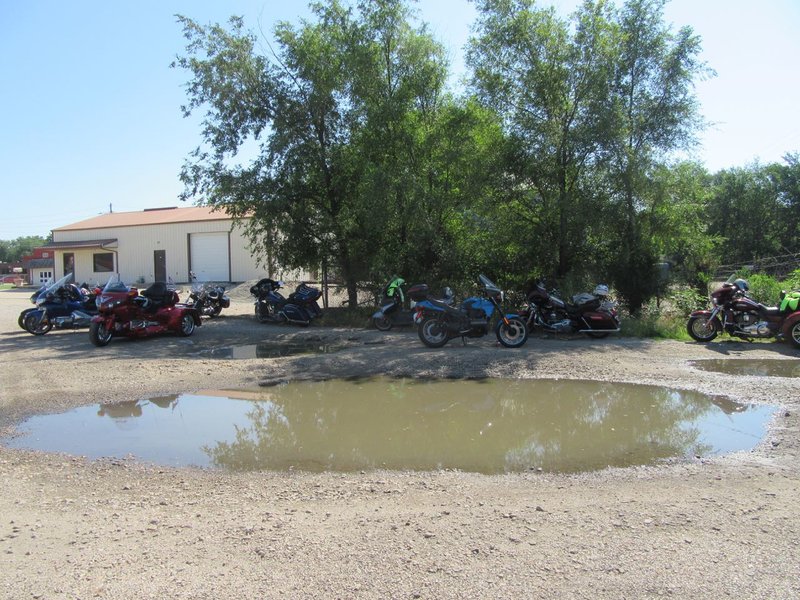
{"x":99,"y":335}
{"x":36,"y":326}
{"x":701,"y":329}
{"x":187,"y":325}
{"x":382,"y":323}
{"x":794,"y":335}
{"x":433,"y":333}
{"x":513,"y":335}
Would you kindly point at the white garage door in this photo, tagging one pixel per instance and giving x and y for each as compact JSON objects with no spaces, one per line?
{"x":209,"y":256}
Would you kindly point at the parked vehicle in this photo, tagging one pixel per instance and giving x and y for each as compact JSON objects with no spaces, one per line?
{"x":393,"y":311}
{"x":271,"y":306}
{"x":125,"y":312}
{"x":439,"y":322}
{"x":62,"y":305}
{"x":735,"y":313}
{"x":594,"y":314}
{"x":34,"y":297}
{"x":208,"y":299}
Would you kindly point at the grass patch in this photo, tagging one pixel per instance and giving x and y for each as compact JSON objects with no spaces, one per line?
{"x":657,"y":326}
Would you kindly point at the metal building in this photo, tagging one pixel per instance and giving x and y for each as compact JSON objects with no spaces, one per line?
{"x":165,"y":244}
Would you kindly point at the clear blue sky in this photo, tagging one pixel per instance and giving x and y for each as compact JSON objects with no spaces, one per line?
{"x":91,"y":114}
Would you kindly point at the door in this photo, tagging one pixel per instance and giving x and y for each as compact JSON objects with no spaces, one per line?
{"x":160,"y":265}
{"x":209,"y":256}
{"x":69,"y":263}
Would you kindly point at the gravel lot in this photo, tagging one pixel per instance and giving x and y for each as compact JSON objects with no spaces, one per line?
{"x":74,"y":528}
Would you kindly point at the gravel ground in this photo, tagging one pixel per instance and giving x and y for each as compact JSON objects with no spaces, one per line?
{"x":74,"y":528}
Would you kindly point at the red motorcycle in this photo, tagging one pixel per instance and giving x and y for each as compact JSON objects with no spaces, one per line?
{"x":125,"y":312}
{"x":593,"y":314}
{"x":738,"y":315}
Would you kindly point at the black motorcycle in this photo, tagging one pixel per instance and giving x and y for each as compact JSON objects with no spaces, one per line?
{"x":271,"y":306}
{"x":208,"y":299}
{"x":439,"y":322}
{"x":593,"y":314}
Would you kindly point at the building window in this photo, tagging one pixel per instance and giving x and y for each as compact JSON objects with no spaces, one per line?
{"x":45,"y":277}
{"x":103,"y":263}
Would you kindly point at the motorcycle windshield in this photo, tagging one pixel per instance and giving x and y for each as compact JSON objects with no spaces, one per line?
{"x":57,"y":284}
{"x":115,"y":284}
{"x":489,"y":285}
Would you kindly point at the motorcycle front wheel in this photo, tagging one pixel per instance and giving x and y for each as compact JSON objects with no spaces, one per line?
{"x":382,"y":323}
{"x":701,"y":328}
{"x":99,"y":335}
{"x":22,"y":315}
{"x":512,"y":335}
{"x":433,"y":333}
{"x":36,"y":324}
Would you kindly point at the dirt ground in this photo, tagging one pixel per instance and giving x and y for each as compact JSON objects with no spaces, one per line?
{"x":74,"y":528}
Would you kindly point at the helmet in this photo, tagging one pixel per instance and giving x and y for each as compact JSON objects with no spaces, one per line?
{"x":600,"y":290}
{"x":741,"y":284}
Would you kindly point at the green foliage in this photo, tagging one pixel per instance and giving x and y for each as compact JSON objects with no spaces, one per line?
{"x":14,"y":250}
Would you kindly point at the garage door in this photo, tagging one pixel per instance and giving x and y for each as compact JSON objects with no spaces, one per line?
{"x":210,"y":260}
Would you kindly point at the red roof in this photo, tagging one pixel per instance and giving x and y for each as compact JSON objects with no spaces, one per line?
{"x":153,"y":216}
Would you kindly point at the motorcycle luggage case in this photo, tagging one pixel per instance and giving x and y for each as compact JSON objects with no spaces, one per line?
{"x":418,"y":292}
{"x":305,"y":293}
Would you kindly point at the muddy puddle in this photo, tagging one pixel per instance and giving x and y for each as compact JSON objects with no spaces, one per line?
{"x":753,"y":367}
{"x":486,"y":426}
{"x":270,"y":350}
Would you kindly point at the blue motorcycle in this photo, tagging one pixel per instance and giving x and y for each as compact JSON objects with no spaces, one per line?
{"x":300,"y":307}
{"x":439,"y":322}
{"x":62,"y":305}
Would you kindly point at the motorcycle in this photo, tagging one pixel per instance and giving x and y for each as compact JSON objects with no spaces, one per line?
{"x":208,"y":299}
{"x":392,"y":311}
{"x":439,"y":322}
{"x":735,"y":313}
{"x":61,"y":305}
{"x":271,"y":306}
{"x":125,"y":312}
{"x":25,"y":312}
{"x":593,"y":314}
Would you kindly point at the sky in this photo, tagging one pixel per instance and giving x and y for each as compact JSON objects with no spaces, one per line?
{"x":90,"y":110}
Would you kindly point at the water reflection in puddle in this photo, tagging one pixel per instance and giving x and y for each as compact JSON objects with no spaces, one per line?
{"x":488,"y":426}
{"x":270,"y":350}
{"x":754,"y":367}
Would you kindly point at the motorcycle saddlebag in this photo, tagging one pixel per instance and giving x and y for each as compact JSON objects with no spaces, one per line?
{"x":418,"y":292}
{"x":305,"y":293}
{"x":790,"y":301}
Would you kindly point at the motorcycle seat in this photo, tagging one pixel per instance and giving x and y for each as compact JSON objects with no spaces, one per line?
{"x":445,"y":306}
{"x":158,"y":294}
{"x":770,"y":311}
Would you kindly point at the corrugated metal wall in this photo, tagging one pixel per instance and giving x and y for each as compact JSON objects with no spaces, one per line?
{"x":136,"y":246}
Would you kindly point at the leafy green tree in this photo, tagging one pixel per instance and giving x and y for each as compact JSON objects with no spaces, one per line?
{"x":14,"y":250}
{"x":655,"y":113}
{"x":342,"y":105}
{"x":549,"y":80}
{"x":745,"y":211}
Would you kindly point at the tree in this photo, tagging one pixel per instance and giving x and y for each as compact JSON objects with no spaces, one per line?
{"x":14,"y":250}
{"x":549,"y":81}
{"x":343,"y":104}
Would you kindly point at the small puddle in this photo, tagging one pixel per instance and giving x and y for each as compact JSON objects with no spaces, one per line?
{"x":747,"y":366}
{"x":270,"y":350}
{"x":486,"y":426}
